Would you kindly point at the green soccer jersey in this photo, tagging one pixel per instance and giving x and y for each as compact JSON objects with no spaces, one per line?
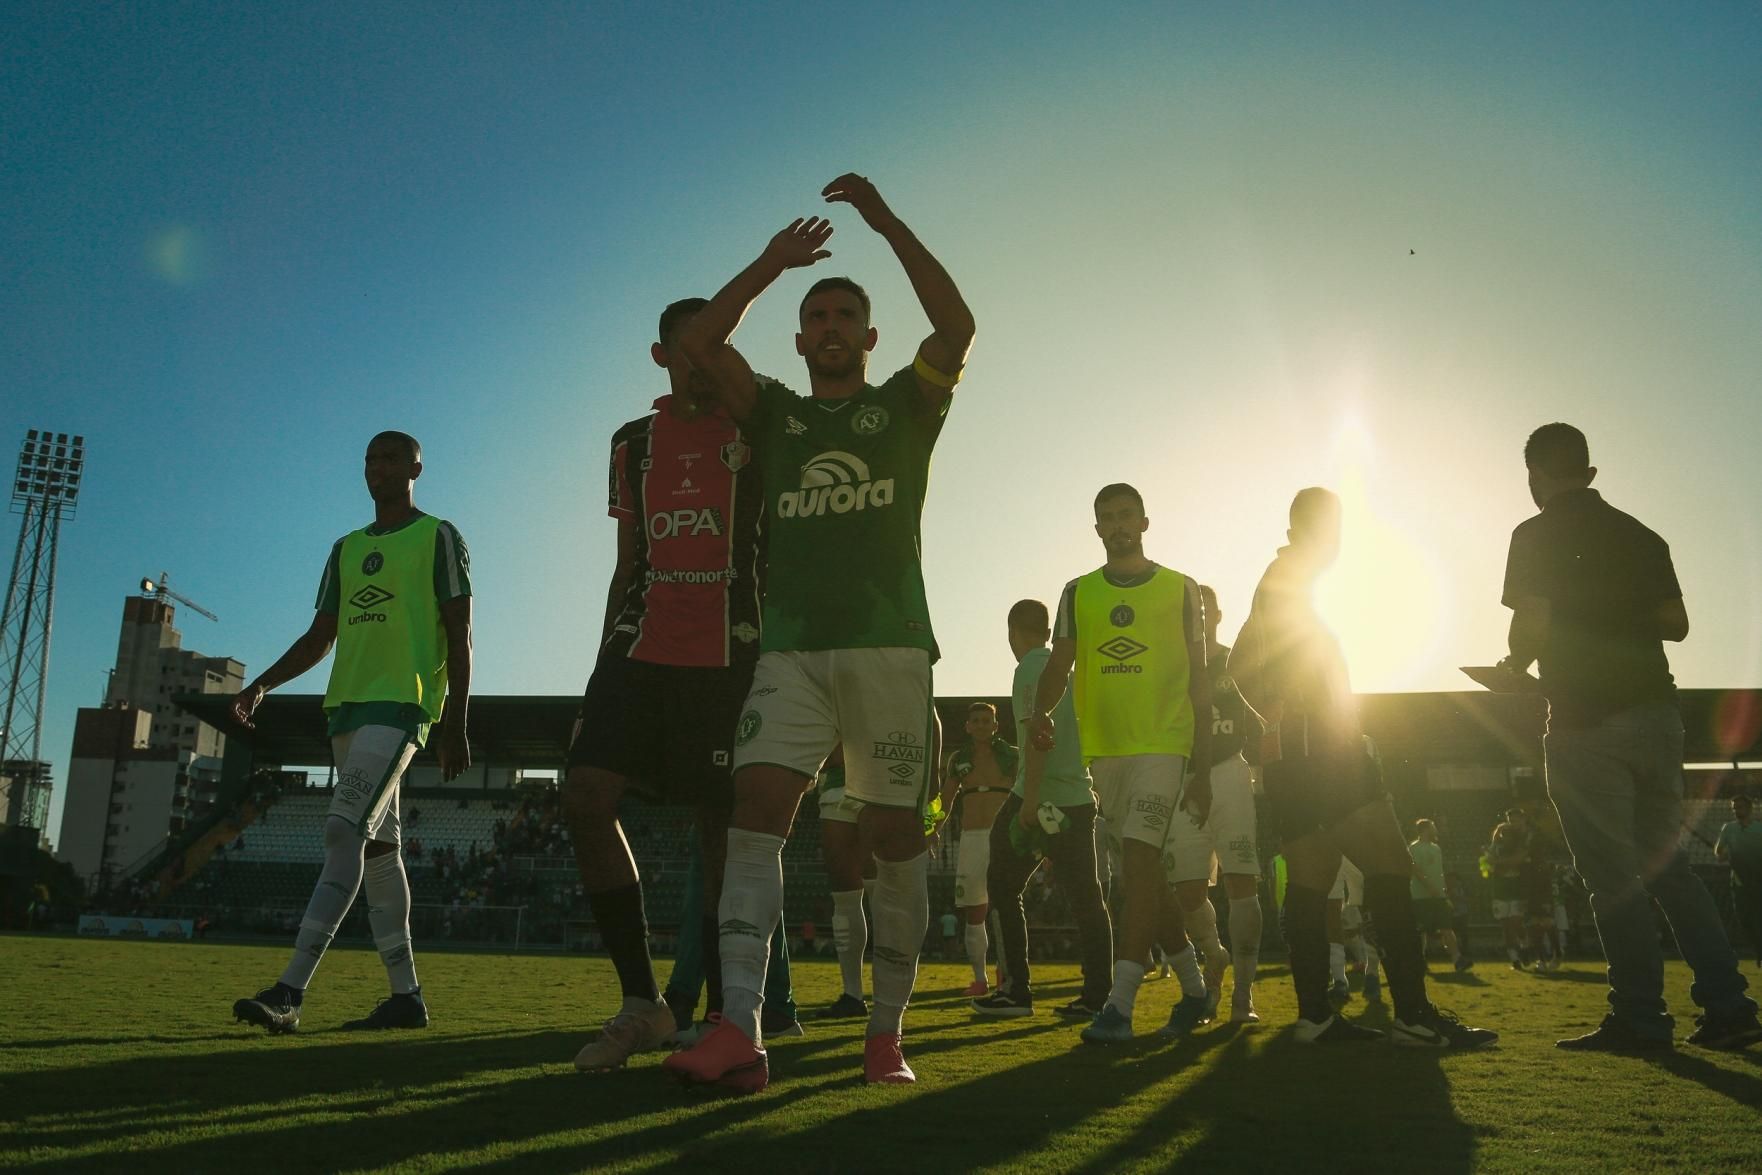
{"x":1430,"y":859}
{"x":845,"y":482}
{"x":1066,"y":780}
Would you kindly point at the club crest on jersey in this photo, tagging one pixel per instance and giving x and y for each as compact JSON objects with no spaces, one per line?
{"x":1122,"y":616}
{"x":372,"y":564}
{"x":869,"y":420}
{"x":748,"y":728}
{"x":834,"y":483}
{"x":735,"y":455}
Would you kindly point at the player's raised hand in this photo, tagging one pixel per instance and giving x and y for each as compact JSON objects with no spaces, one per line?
{"x":856,"y":190}
{"x":245,"y":705}
{"x":801,"y":244}
{"x":1041,"y":729}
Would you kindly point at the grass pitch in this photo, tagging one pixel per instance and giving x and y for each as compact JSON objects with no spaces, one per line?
{"x":122,"y":1056}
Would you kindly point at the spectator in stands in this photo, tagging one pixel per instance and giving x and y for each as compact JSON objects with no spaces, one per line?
{"x":1594,"y":596}
{"x":1740,"y":846}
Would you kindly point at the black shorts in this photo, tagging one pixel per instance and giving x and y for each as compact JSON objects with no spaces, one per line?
{"x":668,"y":729}
{"x":1306,"y":795}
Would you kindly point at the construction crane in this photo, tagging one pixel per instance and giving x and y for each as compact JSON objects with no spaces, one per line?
{"x":162,"y":591}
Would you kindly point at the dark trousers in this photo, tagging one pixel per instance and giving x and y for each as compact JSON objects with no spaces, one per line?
{"x":1072,"y":853}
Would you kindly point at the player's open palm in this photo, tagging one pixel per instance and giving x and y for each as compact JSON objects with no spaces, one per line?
{"x":802,"y":243}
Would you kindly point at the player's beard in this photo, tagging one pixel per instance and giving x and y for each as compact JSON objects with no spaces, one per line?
{"x":1121,"y":546}
{"x":839,"y":365}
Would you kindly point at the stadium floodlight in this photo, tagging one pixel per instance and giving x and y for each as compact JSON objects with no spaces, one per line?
{"x":50,"y":465}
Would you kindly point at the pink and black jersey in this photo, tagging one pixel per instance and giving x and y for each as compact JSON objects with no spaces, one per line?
{"x":692,"y":489}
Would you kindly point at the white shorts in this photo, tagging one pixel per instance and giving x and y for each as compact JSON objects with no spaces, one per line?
{"x":877,"y":702}
{"x":1226,"y":842}
{"x":1136,"y":793}
{"x":971,"y":864}
{"x":1509,"y":908}
{"x":835,"y":805}
{"x":1561,"y":923}
{"x":370,"y":762}
{"x":1348,"y":885}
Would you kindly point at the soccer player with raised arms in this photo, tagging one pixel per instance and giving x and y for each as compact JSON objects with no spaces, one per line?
{"x":847,"y":644}
{"x":395,"y":601}
{"x":1133,"y":631}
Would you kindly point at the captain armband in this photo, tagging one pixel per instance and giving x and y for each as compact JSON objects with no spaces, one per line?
{"x":931,"y":375}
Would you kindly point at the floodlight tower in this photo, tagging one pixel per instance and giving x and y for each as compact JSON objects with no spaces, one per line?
{"x":45,"y":490}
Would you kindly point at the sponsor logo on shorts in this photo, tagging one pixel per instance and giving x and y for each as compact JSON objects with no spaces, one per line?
{"x":870,"y":420}
{"x":685,"y":522}
{"x":834,"y":482}
{"x":372,"y":564}
{"x":1242,"y":848}
{"x":1153,"y":811}
{"x":1121,"y":650}
{"x":748,"y":728}
{"x":1122,"y":616}
{"x":368,"y":599}
{"x":351,"y":786}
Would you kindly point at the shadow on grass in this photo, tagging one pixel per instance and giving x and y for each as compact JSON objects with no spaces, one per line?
{"x":1743,"y":1088}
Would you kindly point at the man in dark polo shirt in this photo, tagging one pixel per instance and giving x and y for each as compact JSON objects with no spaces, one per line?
{"x":1594,"y":596}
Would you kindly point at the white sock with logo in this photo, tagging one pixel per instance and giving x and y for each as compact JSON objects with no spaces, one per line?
{"x":902,"y":915}
{"x":388,"y":915}
{"x":1246,"y":927}
{"x":850,"y":935}
{"x":331,"y":898}
{"x":751,"y":909}
{"x":977,"y":945}
{"x":1337,"y":961}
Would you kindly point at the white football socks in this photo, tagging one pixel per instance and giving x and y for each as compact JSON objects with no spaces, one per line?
{"x":1127,"y":975}
{"x":1337,"y":961}
{"x":902,"y":915}
{"x":752,"y":907}
{"x":388,"y":915}
{"x":1246,"y":927}
{"x":850,"y":935}
{"x":331,"y":899}
{"x":977,"y":945}
{"x":1201,"y":922}
{"x":1186,"y":968}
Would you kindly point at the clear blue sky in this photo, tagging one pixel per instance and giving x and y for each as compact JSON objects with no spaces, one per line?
{"x":237,"y":241}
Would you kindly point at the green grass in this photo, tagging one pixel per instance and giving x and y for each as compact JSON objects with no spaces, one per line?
{"x":118,"y":1056}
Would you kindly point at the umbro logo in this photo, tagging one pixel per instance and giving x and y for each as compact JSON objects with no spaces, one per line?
{"x":1121,"y":648}
{"x":793,"y":426}
{"x":371,"y":596}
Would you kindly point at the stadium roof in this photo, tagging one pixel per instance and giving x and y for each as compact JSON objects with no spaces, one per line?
{"x":532,"y":731}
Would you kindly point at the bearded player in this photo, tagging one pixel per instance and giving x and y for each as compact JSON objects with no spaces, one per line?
{"x":847,"y":644}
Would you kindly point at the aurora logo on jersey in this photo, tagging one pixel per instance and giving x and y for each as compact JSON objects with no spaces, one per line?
{"x":1120,"y":650}
{"x":834,"y":483}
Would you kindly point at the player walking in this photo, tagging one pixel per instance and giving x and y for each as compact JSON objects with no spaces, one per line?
{"x":847,"y":640}
{"x":1325,"y":791}
{"x":680,"y":639}
{"x":980,"y":774}
{"x":395,"y":601}
{"x":1132,"y":632}
{"x":1227,"y":842}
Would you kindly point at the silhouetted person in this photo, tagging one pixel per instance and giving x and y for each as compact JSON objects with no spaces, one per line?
{"x":1594,"y":596}
{"x":1325,"y":793}
{"x":1740,"y":846}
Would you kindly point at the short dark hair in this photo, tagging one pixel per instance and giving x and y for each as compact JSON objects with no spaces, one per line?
{"x":1557,"y":449}
{"x":1029,"y":616}
{"x":1119,"y":489}
{"x":677,"y":313}
{"x":837,"y":283}
{"x":1311,"y":503}
{"x":1422,"y":823}
{"x":1742,"y":799}
{"x":981,"y":708}
{"x":412,"y":448}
